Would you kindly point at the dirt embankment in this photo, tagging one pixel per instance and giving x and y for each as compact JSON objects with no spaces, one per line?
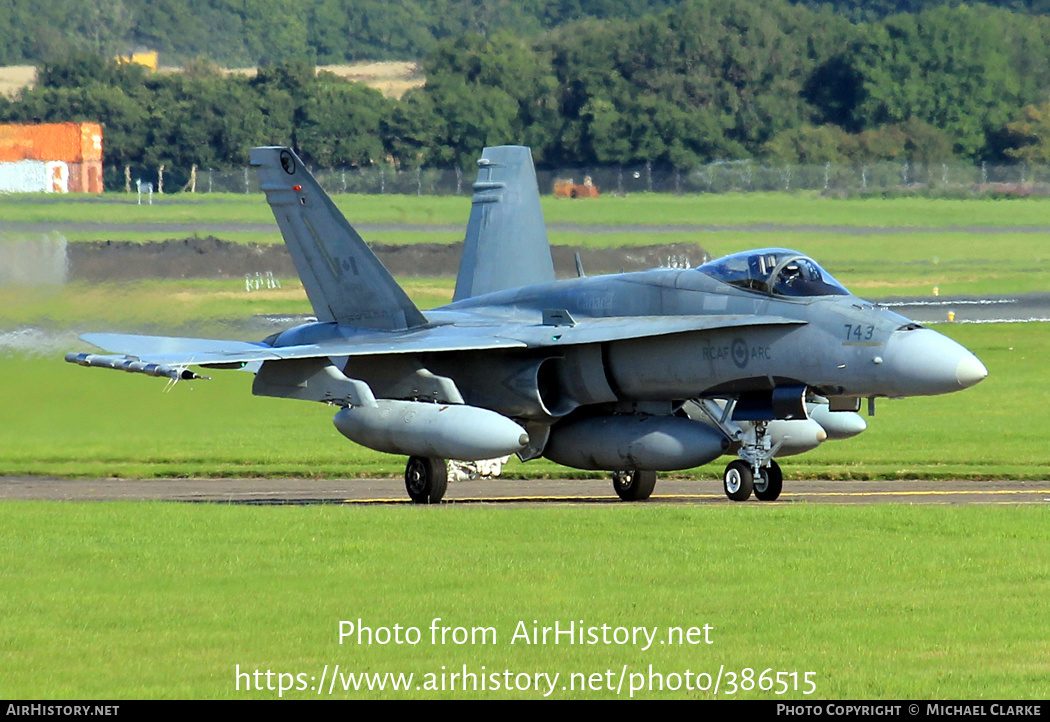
{"x":213,"y":257}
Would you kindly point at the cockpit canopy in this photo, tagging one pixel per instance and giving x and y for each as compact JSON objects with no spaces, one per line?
{"x":775,"y":272}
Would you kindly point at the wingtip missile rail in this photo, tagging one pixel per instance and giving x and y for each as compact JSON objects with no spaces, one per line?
{"x":132,"y":365}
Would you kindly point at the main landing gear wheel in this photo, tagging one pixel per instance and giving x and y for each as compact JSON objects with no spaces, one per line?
{"x":770,"y":482}
{"x":634,"y":485}
{"x":426,"y":479}
{"x":738,"y":480}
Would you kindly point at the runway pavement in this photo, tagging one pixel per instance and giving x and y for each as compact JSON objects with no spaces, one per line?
{"x":1013,"y":308}
{"x":513,"y":491}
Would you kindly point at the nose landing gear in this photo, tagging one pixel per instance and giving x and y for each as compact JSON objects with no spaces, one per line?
{"x":755,"y":471}
{"x":738,"y":480}
{"x":770,"y":482}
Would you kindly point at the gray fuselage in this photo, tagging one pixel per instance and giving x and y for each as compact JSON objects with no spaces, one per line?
{"x":840,"y":346}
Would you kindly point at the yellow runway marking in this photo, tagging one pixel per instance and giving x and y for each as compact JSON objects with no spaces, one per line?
{"x":685,"y":497}
{"x":492,"y":499}
{"x":715,"y":496}
{"x":921,"y":493}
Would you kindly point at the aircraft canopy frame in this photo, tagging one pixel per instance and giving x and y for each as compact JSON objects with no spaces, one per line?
{"x":774,"y":272}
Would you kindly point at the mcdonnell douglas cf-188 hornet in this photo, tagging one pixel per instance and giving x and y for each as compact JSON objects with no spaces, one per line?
{"x":760,"y":354}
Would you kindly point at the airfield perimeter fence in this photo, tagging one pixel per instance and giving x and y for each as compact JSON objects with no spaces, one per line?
{"x":718,"y":177}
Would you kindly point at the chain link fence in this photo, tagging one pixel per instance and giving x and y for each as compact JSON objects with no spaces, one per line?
{"x":719,"y":177}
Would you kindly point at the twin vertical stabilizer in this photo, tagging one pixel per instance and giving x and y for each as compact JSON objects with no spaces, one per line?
{"x":506,"y":245}
{"x":344,"y":280}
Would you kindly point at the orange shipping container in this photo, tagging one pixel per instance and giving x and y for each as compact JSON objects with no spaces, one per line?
{"x":67,"y":142}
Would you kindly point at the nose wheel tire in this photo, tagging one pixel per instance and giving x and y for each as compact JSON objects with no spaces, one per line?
{"x":769,"y":483}
{"x":634,"y":485}
{"x":426,"y":479}
{"x":738,"y":481}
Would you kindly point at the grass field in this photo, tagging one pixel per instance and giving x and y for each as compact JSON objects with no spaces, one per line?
{"x":872,"y":266}
{"x":15,"y":77}
{"x":871,"y":245}
{"x":165,"y":600}
{"x":203,"y":306}
{"x":729,"y":209}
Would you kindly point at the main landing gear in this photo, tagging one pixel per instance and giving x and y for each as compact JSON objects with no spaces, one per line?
{"x":426,"y":479}
{"x":634,"y":485}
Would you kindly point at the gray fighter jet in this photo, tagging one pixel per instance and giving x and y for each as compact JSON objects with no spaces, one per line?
{"x":759,"y":354}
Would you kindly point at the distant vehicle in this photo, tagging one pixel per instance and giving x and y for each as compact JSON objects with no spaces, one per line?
{"x":568,"y":188}
{"x":760,"y":354}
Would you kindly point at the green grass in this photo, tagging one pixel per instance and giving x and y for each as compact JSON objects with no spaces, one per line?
{"x":872,"y":266}
{"x":164,"y":600}
{"x":735,"y":209}
{"x":877,"y":265}
{"x":190,"y":307}
{"x":645,"y":208}
{"x":869,"y":264}
{"x":243,"y":237}
{"x":223,"y":208}
{"x":903,"y":262}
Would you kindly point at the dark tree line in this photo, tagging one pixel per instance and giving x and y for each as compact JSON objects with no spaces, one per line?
{"x":710,"y":79}
{"x":867,"y":10}
{"x":241,"y":33}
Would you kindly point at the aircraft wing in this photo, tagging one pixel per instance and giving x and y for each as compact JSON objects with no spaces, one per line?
{"x":177,"y":351}
{"x":169,"y":349}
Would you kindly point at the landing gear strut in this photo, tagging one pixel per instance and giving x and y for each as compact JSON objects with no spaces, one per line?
{"x":634,"y":485}
{"x":755,"y":470}
{"x":426,"y":479}
{"x":756,"y":458}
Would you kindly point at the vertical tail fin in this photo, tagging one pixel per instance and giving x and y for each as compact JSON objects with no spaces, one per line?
{"x":344,"y":280}
{"x":506,"y":245}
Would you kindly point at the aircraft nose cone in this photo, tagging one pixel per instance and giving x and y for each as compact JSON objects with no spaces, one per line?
{"x":969,"y":371}
{"x":921,"y":362}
